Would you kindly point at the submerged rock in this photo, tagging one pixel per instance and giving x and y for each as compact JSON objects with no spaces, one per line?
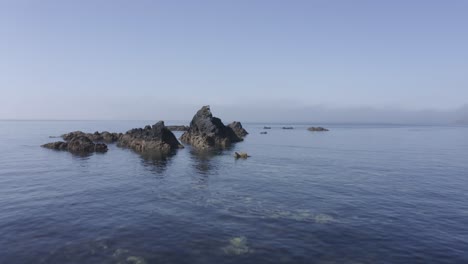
{"x":157,"y":138}
{"x":288,"y":127}
{"x":317,"y":129}
{"x":238,"y":129}
{"x":207,"y":131}
{"x":324,"y":219}
{"x":264,"y":133}
{"x":266,"y":127}
{"x":78,"y":144}
{"x":178,"y":128}
{"x":237,"y":246}
{"x":136,"y":260}
{"x":96,"y":136}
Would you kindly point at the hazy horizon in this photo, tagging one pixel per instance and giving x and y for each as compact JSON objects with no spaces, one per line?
{"x":318,"y":115}
{"x":253,"y":61}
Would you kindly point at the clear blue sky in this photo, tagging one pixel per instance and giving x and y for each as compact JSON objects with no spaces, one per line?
{"x":103,"y":59}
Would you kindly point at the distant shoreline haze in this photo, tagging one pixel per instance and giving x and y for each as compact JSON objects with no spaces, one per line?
{"x":279,"y":115}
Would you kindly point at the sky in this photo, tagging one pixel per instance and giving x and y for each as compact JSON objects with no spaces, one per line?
{"x":252,"y":60}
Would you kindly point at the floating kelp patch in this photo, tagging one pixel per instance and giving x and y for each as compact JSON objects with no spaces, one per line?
{"x":237,"y":246}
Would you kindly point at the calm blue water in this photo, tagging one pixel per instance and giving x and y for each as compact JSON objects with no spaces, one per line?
{"x":356,"y":194}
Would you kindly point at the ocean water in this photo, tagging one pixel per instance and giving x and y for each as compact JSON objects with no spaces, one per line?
{"x":356,"y":194}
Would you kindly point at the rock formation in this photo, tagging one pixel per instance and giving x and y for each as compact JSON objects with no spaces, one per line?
{"x":157,"y":138}
{"x":238,"y":129}
{"x":288,"y":127}
{"x":206,"y":131}
{"x":266,"y":127}
{"x":317,"y":129}
{"x":96,"y":136}
{"x":79,"y":144}
{"x":263,"y":133}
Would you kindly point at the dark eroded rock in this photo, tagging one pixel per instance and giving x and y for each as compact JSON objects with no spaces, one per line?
{"x":156,"y":138}
{"x":317,"y":129}
{"x":59,"y":145}
{"x":96,"y":136}
{"x":238,"y":129}
{"x":78,"y":144}
{"x":206,"y":131}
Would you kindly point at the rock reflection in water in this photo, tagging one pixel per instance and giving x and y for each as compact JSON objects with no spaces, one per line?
{"x":156,"y":161}
{"x":203,"y":160}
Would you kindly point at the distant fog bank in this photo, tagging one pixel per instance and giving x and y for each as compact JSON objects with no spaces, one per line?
{"x":323,"y":114}
{"x":279,"y":111}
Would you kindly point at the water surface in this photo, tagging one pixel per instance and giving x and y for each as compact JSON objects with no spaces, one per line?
{"x":356,"y":194}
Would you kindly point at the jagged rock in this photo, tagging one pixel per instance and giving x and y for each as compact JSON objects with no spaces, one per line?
{"x":178,"y":128}
{"x":156,"y":138}
{"x":288,"y":127}
{"x":206,"y":131}
{"x":78,"y":144}
{"x":238,"y":129}
{"x":241,"y":155}
{"x":317,"y":129}
{"x":71,"y":135}
{"x":266,"y":127}
{"x":109,"y":137}
{"x":59,"y":145}
{"x":96,"y":136}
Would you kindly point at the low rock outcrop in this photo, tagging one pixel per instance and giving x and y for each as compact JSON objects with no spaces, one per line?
{"x":207,"y":131}
{"x":241,"y":155}
{"x":287,"y":127}
{"x":263,"y":133}
{"x":317,"y":129}
{"x":238,"y":129}
{"x":266,"y":127}
{"x":96,"y":136}
{"x":156,"y":138}
{"x":78,"y":144}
